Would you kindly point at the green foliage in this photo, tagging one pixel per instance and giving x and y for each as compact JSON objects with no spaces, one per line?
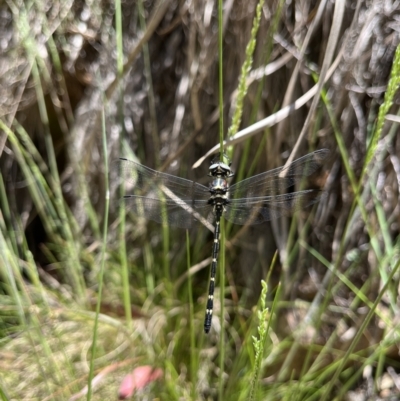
{"x":393,"y":86}
{"x":90,"y":291}
{"x":259,"y":343}
{"x":246,"y":67}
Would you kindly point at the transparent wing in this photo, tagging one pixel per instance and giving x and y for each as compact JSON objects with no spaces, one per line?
{"x":143,"y":181}
{"x":273,"y":182}
{"x":174,"y":213}
{"x":163,"y":197}
{"x":260,"y":209}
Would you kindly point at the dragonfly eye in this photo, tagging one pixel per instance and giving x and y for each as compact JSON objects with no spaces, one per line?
{"x":220,"y":169}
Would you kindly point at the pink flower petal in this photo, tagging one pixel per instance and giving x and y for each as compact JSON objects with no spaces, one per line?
{"x":138,"y":379}
{"x":126,"y":389}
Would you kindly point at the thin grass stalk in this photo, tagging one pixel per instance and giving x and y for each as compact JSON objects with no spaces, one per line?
{"x":390,"y":250}
{"x":156,"y":142}
{"x":118,"y":40}
{"x":334,"y":36}
{"x":263,"y":329}
{"x":388,"y":247}
{"x":393,"y":86}
{"x":58,"y":67}
{"x":292,"y":246}
{"x":360,"y":332}
{"x":316,"y":307}
{"x":351,"y":376}
{"x":345,"y":158}
{"x":193,"y":358}
{"x":47,"y":136}
{"x":290,"y":394}
{"x":6,"y":221}
{"x":221,"y":79}
{"x":360,"y":297}
{"x":382,"y":233}
{"x":244,"y":161}
{"x":3,"y":392}
{"x":268,"y":51}
{"x":222,"y":225}
{"x":65,"y":123}
{"x":377,"y":355}
{"x":36,"y":164}
{"x":73,"y":251}
{"x":123,"y":257}
{"x":21,"y":297}
{"x":381,"y":361}
{"x":242,"y":91}
{"x":45,"y":121}
{"x":232,"y":130}
{"x":329,"y":289}
{"x":149,"y":82}
{"x":42,"y":192}
{"x":328,"y":280}
{"x":33,"y":275}
{"x":242,"y":87}
{"x":148,"y":268}
{"x":380,"y":366}
{"x":251,"y":168}
{"x":222,"y":318}
{"x":356,"y":186}
{"x":81,"y":181}
{"x":18,"y":248}
{"x":11,"y":274}
{"x":249,"y":338}
{"x":39,"y":193}
{"x":124,"y":263}
{"x":166,"y":265}
{"x":122,"y":212}
{"x":242,"y":362}
{"x":102,"y":259}
{"x":36,"y":335}
{"x":25,"y":141}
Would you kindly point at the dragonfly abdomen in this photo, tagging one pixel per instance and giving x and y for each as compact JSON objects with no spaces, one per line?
{"x":215,"y":250}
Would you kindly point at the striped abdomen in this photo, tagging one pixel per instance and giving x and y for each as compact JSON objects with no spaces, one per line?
{"x":210,"y":300}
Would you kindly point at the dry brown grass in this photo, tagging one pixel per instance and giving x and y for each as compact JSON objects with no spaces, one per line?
{"x":165,"y":105}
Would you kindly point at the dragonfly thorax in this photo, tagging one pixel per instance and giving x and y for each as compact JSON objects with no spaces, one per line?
{"x":219,"y":186}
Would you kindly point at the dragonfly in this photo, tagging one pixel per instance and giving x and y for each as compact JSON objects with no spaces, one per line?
{"x":179,"y":202}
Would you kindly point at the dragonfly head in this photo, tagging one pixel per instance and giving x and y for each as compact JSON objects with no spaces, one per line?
{"x":220,"y":168}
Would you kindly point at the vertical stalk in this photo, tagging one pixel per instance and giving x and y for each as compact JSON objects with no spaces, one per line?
{"x":222,"y":298}
{"x":193,"y":361}
{"x":103,"y":252}
{"x":220,"y":81}
{"x":121,"y":233}
{"x":221,"y":157}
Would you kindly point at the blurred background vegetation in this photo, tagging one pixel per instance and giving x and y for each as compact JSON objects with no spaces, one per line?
{"x":85,"y":82}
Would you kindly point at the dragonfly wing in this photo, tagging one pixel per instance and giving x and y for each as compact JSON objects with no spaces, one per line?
{"x":175,"y":213}
{"x":259,"y":209}
{"x":274,"y":182}
{"x":143,"y":181}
